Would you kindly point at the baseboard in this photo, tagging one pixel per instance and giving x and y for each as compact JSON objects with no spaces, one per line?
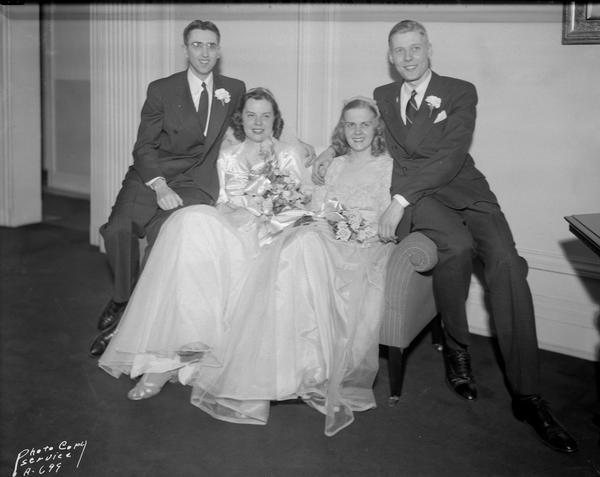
{"x":558,"y":263}
{"x":566,"y":322}
{"x":591,"y":353}
{"x":69,"y":183}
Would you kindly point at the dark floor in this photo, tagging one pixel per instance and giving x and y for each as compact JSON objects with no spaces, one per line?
{"x":53,"y":286}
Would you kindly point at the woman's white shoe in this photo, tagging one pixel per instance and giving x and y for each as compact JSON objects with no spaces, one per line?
{"x":149,"y":385}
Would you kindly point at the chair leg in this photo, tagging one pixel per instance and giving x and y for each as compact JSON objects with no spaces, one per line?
{"x":437,"y":333}
{"x":396,"y":366}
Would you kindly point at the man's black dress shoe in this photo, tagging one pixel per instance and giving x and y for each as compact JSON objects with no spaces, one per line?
{"x":535,"y":411}
{"x":458,"y":373}
{"x":111,"y":314}
{"x":101,"y":341}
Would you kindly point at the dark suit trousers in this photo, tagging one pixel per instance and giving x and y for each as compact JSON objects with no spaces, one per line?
{"x":482,"y":231}
{"x":134,"y":215}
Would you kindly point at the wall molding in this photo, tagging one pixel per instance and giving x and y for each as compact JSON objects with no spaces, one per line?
{"x":6,"y":165}
{"x":303,"y":72}
{"x":118,"y":63}
{"x":126,"y":55}
{"x":493,"y":13}
{"x":583,"y":350}
{"x":49,"y":91}
{"x":20,"y":118}
{"x":316,"y":69}
{"x":64,"y":181}
{"x":564,"y":324}
{"x":557,"y":263}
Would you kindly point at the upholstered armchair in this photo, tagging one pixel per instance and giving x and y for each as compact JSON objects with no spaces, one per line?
{"x":409,"y":304}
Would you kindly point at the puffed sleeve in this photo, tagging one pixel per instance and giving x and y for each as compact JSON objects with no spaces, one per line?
{"x":221,"y":172}
{"x":291,"y":158}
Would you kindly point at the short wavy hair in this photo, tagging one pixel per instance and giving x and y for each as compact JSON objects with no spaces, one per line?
{"x":237,"y":123}
{"x":406,"y":26}
{"x":338,"y":138}
{"x":200,"y":25}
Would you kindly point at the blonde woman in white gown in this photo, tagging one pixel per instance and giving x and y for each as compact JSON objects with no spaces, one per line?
{"x":299,"y":310}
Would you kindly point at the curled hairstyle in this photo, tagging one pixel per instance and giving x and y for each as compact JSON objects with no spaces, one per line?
{"x":200,"y":25}
{"x":237,"y":122}
{"x":338,"y":138}
{"x":405,"y":26}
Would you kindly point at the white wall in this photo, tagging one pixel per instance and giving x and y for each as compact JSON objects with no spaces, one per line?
{"x":536,"y":139}
{"x":538,"y":142}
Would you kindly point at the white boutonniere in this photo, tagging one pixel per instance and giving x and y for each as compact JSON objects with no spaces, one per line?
{"x":433,"y":102}
{"x":223,"y":95}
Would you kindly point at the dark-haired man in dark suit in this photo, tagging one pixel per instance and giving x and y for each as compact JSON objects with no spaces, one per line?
{"x":182,"y":124}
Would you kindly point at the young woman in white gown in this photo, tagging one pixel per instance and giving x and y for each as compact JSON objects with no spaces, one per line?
{"x":246,"y":311}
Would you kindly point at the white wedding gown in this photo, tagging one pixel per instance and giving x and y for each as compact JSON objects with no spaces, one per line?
{"x":245,"y":320}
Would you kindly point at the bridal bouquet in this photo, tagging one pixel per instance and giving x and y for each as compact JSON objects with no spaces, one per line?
{"x":349,"y":225}
{"x":276,"y":196}
{"x":276,"y":189}
{"x":282,"y":192}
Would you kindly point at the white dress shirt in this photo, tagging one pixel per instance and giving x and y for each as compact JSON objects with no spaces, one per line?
{"x":407,"y":90}
{"x":196,"y":88}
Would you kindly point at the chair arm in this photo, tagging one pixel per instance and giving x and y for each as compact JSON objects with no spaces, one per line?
{"x":409,"y":303}
{"x":420,"y":250}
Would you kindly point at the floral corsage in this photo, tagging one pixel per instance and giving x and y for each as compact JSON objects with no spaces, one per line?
{"x":223,"y":95}
{"x":433,"y":102}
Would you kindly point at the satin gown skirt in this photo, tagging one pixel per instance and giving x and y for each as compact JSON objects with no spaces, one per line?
{"x":179,"y":305}
{"x":299,"y":319}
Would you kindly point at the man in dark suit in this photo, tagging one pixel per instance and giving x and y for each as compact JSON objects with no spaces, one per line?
{"x":429,"y":127}
{"x":438,"y":191}
{"x":183,"y":121}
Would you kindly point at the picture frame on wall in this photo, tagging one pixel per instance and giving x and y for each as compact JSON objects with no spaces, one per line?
{"x":581,"y":23}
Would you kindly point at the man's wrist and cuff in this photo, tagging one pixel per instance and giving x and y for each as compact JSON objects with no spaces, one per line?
{"x":400,"y":199}
{"x":156,"y":182}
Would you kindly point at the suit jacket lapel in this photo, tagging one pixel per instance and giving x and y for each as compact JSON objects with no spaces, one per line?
{"x":185,"y":105}
{"x":390,"y":110}
{"x":218,"y":112}
{"x":425,"y":117}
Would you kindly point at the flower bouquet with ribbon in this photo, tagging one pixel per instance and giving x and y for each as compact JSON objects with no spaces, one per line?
{"x":282,"y":192}
{"x":276,"y":190}
{"x":349,"y":225}
{"x":277,"y":196}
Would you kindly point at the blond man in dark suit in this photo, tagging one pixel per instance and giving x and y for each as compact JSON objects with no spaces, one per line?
{"x":438,"y":191}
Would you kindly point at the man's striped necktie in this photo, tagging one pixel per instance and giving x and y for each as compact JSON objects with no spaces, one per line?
{"x":411,"y":109}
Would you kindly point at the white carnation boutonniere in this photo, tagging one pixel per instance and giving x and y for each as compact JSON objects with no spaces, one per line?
{"x":433,"y":102}
{"x":223,"y":95}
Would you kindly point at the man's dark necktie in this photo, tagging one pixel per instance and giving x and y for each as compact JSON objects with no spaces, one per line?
{"x":411,"y":109}
{"x":203,"y":106}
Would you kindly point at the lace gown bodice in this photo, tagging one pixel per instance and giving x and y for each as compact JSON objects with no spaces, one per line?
{"x":351,"y":182}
